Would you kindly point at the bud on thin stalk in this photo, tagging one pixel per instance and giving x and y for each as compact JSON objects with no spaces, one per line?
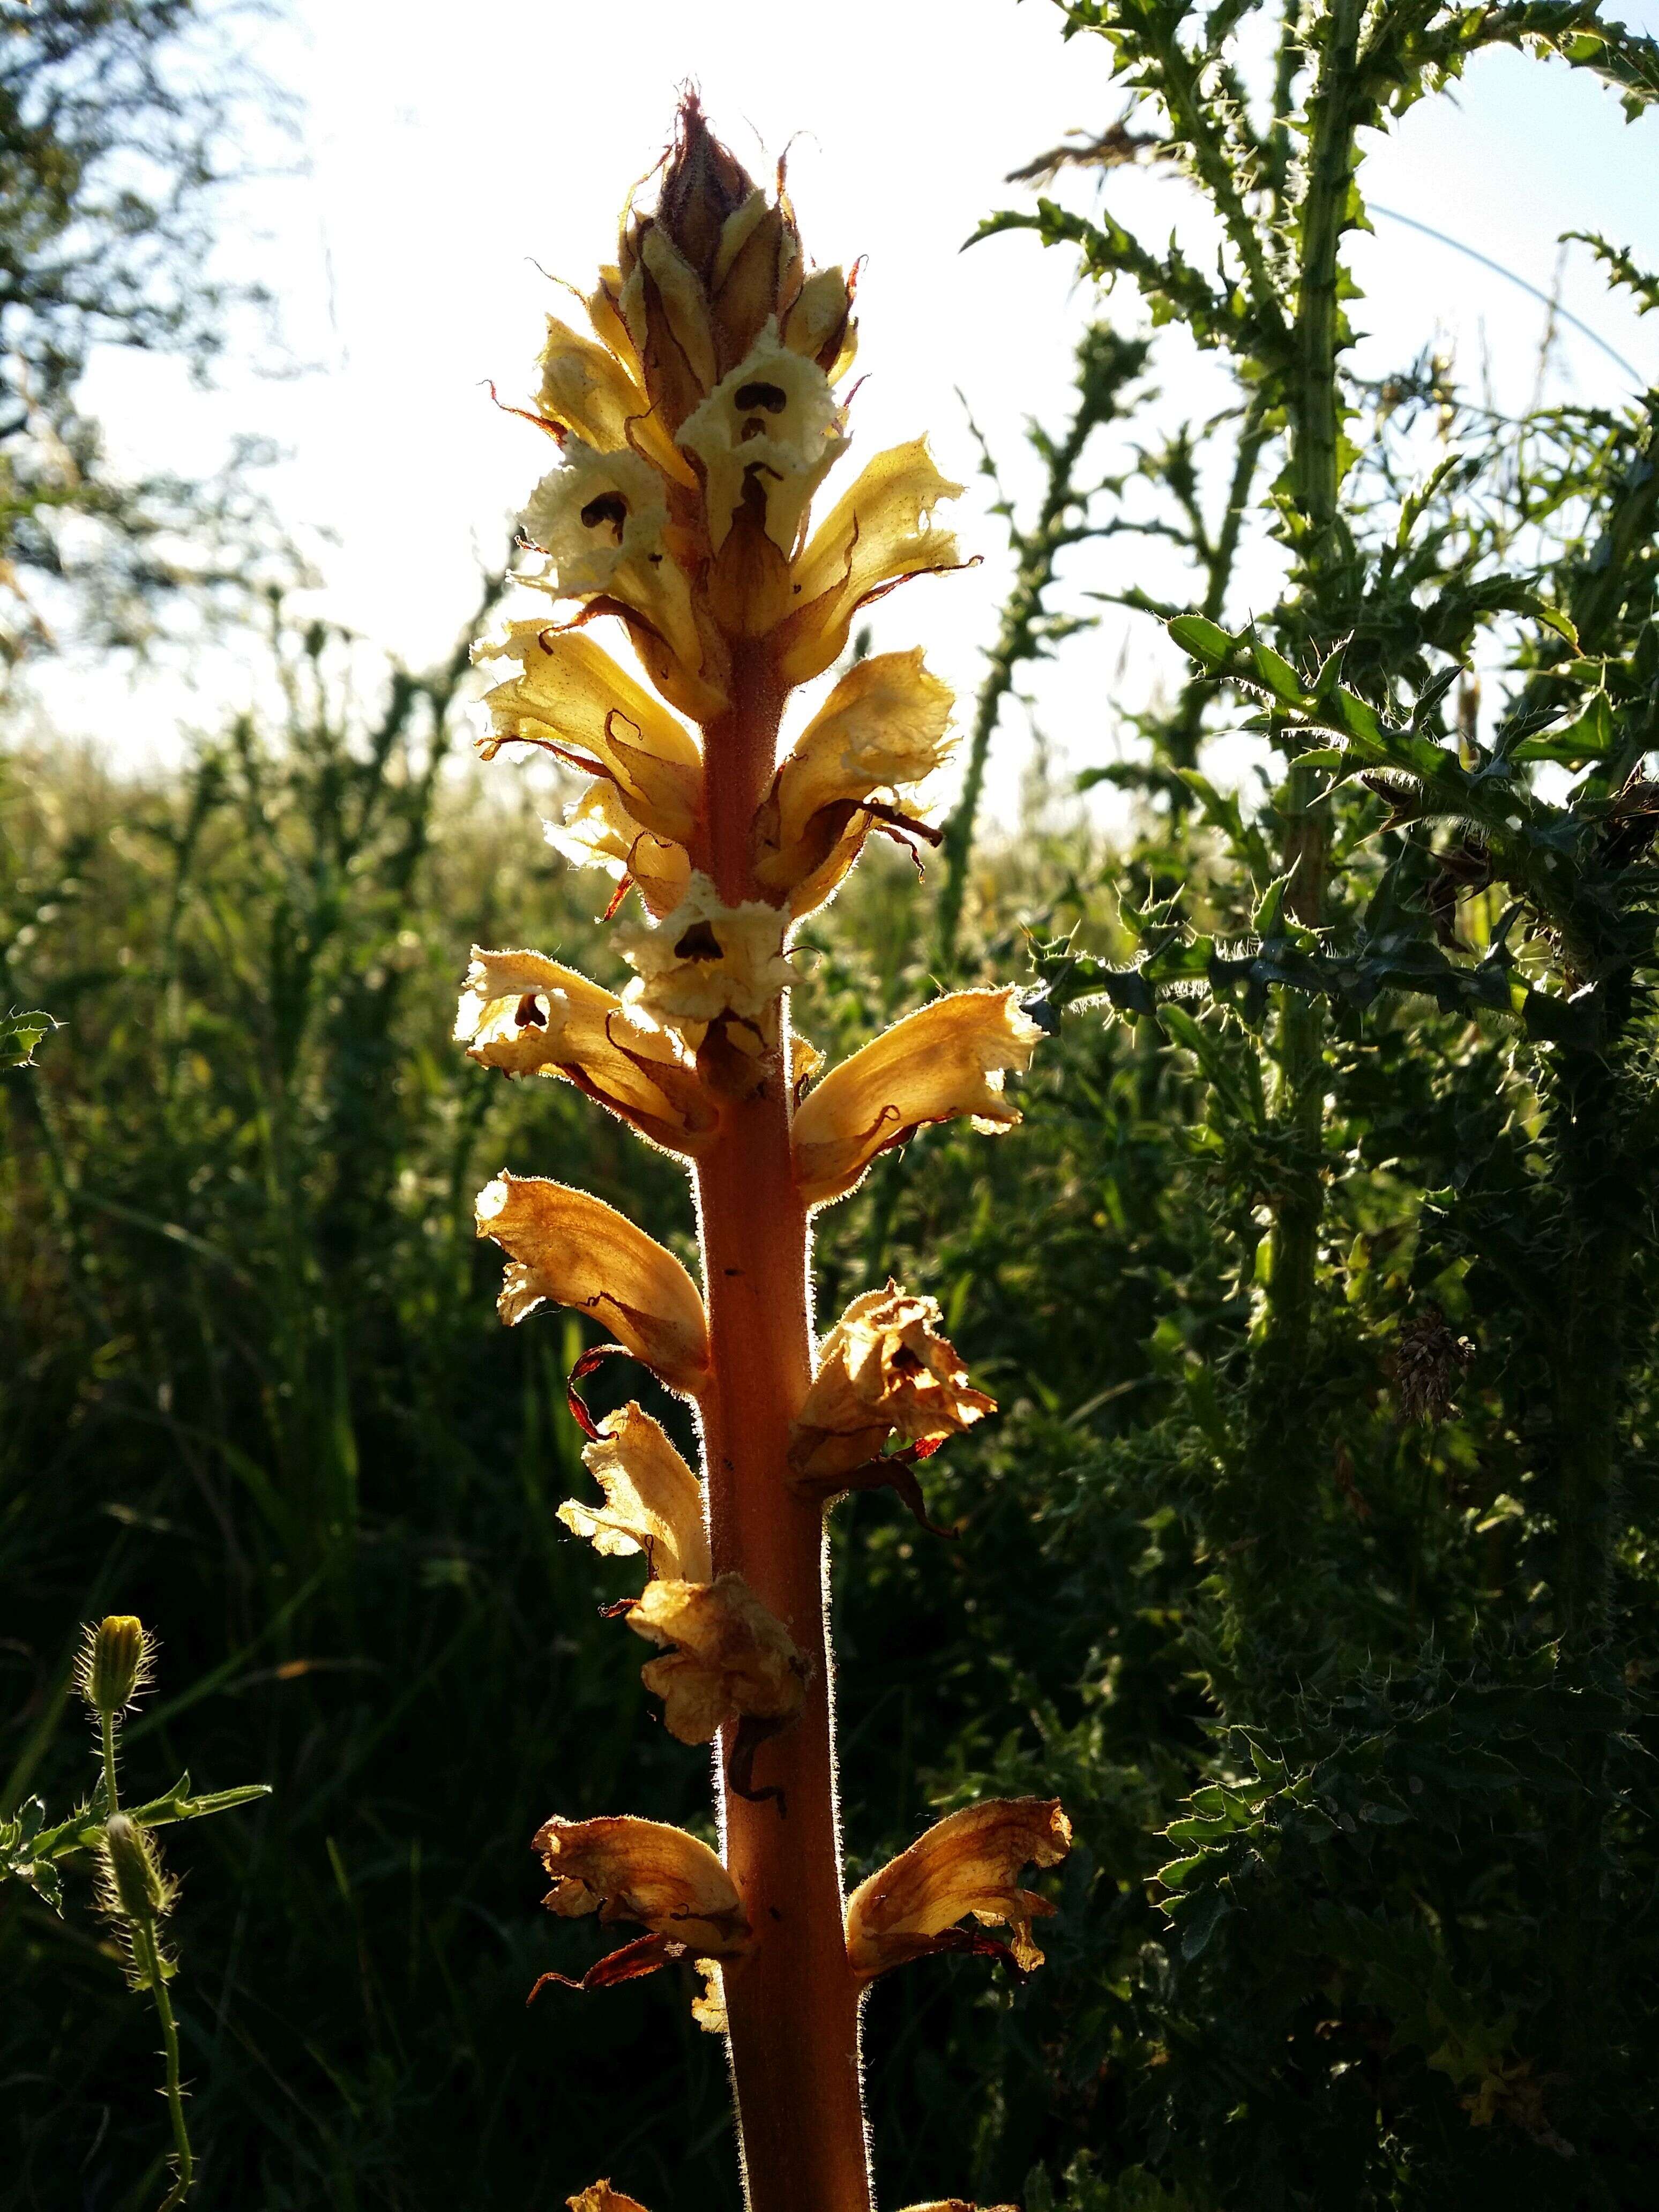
{"x":114,"y":1666}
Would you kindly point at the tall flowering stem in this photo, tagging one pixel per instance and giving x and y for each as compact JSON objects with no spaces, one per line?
{"x":694,"y":429}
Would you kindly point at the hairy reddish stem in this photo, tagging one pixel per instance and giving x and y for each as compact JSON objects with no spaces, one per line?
{"x":792,"y":2006}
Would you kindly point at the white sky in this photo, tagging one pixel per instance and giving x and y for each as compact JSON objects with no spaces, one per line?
{"x":447,"y":152}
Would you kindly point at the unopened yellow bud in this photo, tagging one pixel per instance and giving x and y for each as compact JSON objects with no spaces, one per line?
{"x":136,"y":1886}
{"x":114,"y":1663}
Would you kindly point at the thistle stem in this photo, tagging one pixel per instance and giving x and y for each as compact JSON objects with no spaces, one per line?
{"x":793,"y":2007}
{"x":106,"y":1737}
{"x":149,"y":1953}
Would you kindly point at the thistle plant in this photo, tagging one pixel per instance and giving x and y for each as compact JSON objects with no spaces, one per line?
{"x":695,"y":429}
{"x":114,"y":1666}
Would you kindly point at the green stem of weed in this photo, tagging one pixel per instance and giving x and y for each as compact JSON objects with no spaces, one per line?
{"x":1281,"y":1456}
{"x":150,"y":1960}
{"x":107,"y":1738}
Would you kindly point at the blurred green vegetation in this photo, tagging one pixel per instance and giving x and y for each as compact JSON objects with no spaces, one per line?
{"x":1312,"y":1558}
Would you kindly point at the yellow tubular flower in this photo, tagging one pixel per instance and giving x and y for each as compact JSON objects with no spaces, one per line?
{"x":771,"y":424}
{"x":947,"y":1060}
{"x":652,"y":1501}
{"x":884,"y":1370}
{"x":666,"y":311}
{"x":585,"y":389}
{"x":659,"y":1877}
{"x":707,"y":960}
{"x":597,"y":516}
{"x":727,"y":1658}
{"x":601,"y":522}
{"x":570,"y":698}
{"x":566,"y":1249}
{"x":756,"y":275}
{"x":882,"y":729}
{"x":965,"y":1864}
{"x":875,"y":536}
{"x":525,"y":1014}
{"x":598,"y":832}
{"x":820,"y":323}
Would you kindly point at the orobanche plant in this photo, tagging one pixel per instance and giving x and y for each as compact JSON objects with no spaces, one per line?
{"x":694,"y":431}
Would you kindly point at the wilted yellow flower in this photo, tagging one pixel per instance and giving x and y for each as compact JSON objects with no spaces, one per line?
{"x":570,"y":698}
{"x":652,"y":1501}
{"x":529,"y":1016}
{"x":707,"y":960}
{"x":876,"y":535}
{"x":598,"y":832}
{"x":884,"y":1370}
{"x":947,"y":1059}
{"x":727,"y":1659}
{"x":662,"y":1879}
{"x":600,"y":2196}
{"x":768,"y":433}
{"x":965,"y":1864}
{"x":569,"y":1249}
{"x":882,"y":729}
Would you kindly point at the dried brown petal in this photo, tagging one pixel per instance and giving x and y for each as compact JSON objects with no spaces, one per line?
{"x":625,"y":1868}
{"x":964,"y":1865}
{"x":884,"y":1370}
{"x":570,"y":1249}
{"x":652,"y":1501}
{"x":527,"y":1014}
{"x":600,"y":2196}
{"x":728,"y":1658}
{"x":947,"y":1059}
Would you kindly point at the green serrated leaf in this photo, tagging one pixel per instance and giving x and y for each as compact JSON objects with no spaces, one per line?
{"x":19,"y":1033}
{"x":1204,"y":641}
{"x":1268,"y":919}
{"x":1179,"y":1872}
{"x":47,"y":1884}
{"x":1276,"y":673}
{"x":1200,"y":1925}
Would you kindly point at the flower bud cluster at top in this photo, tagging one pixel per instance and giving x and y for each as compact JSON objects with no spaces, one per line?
{"x":696,"y":421}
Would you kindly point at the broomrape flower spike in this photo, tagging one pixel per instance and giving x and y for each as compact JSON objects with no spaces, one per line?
{"x":696,"y":428}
